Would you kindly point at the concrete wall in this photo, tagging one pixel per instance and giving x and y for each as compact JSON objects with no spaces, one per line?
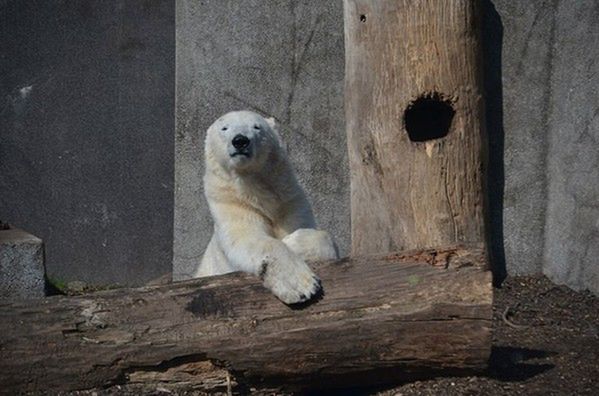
{"x":282,"y":59}
{"x":571,"y":253}
{"x":286,"y":59}
{"x":86,"y":125}
{"x":86,"y":134}
{"x":549,"y":72}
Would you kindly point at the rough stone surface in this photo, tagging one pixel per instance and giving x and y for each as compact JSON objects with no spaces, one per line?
{"x":21,"y":265}
{"x":283,"y":59}
{"x":86,"y":131}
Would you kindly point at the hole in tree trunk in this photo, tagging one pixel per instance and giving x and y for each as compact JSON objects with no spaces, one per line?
{"x":428,"y":117}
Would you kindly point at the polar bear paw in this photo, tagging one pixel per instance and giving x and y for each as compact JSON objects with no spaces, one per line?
{"x":292,"y":283}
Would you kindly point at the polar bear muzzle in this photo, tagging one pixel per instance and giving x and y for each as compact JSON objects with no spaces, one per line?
{"x":241,"y":144}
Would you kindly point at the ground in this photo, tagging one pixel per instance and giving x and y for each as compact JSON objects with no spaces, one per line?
{"x":546,"y":343}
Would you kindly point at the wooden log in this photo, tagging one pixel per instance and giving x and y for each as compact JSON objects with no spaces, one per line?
{"x":415,"y":123}
{"x":381,"y":317}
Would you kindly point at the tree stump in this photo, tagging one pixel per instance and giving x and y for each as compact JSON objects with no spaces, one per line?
{"x":415,"y":123}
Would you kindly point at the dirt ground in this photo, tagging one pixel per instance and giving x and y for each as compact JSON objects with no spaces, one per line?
{"x":545,"y":342}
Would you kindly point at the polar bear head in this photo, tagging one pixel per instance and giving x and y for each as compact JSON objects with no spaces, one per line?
{"x":242,"y":141}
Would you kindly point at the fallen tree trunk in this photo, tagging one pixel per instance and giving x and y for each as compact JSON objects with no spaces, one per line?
{"x":380,"y":317}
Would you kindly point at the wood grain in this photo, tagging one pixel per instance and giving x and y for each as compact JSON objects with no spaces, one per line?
{"x":407,"y":194}
{"x":381,"y":318}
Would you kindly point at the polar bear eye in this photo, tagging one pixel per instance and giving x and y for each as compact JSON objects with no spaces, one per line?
{"x":256,"y":126}
{"x":224,"y":128}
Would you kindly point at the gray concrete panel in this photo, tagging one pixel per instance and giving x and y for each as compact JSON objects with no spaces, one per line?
{"x":572,"y":228}
{"x":525,"y":59}
{"x":86,"y":131}
{"x":283,"y":59}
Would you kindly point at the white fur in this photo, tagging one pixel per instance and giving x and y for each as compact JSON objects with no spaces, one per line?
{"x":263,"y":223}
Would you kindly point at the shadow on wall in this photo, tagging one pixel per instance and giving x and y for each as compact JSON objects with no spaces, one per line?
{"x":492,"y":34}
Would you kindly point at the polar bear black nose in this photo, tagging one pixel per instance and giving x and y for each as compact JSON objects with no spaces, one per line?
{"x":240,"y":142}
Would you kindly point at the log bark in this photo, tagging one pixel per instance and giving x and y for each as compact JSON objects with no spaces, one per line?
{"x":415,"y":123}
{"x":382,"y":317}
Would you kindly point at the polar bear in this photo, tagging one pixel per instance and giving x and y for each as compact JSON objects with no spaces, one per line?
{"x":263,"y":222}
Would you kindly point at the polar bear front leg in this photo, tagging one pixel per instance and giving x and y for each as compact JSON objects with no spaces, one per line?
{"x":312,"y":245}
{"x":248,"y":247}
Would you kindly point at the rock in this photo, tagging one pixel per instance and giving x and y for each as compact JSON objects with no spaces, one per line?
{"x":21,"y":264}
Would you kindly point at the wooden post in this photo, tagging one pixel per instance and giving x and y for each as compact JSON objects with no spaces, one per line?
{"x":414,"y":114}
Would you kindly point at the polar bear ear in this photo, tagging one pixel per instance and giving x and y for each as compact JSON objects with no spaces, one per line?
{"x":272,"y":123}
{"x":274,"y":126}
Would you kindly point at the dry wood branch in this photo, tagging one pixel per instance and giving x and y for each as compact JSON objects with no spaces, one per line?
{"x":395,"y":315}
